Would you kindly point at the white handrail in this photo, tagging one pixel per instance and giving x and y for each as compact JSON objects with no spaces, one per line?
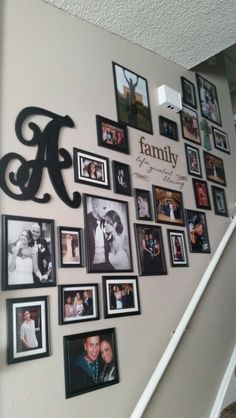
{"x":171,"y":347}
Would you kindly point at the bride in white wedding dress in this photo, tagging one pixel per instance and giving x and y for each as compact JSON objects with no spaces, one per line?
{"x":118,"y":255}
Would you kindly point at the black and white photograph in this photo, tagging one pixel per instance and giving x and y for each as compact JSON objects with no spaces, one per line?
{"x":91,"y":361}
{"x":193,"y":161}
{"x":70,"y":240}
{"x":27,"y":320}
{"x":150,"y":250}
{"x":197,"y":231}
{"x":78,"y":303}
{"x":177,"y":248}
{"x":28,"y":252}
{"x":143,"y":205}
{"x":107,"y":235}
{"x":120,"y":296}
{"x":219,"y":200}
{"x":121,"y":178}
{"x":209,"y":104}
{"x":91,"y":169}
{"x":221,"y":140}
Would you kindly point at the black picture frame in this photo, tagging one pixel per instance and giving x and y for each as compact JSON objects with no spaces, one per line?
{"x":201,"y":194}
{"x":78,"y":303}
{"x":27,"y":329}
{"x":168,"y":206}
{"x":188,"y":93}
{"x":221,"y":140}
{"x":91,"y":169}
{"x":112,"y":135}
{"x":208,"y":100}
{"x":197,"y":231}
{"x":121,"y":178}
{"x":120,"y":296}
{"x":168,"y":128}
{"x":193,"y":161}
{"x":214,"y":167}
{"x":219,"y":201}
{"x":132,"y":99}
{"x":190,"y":125}
{"x":150,"y":250}
{"x":114,"y":221}
{"x":177,"y":248}
{"x":143,"y":204}
{"x":70,"y":246}
{"x":28,"y":251}
{"x":86,"y":371}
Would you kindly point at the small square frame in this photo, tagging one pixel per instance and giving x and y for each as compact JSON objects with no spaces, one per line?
{"x":79,"y":377}
{"x":150,"y":250}
{"x":201,"y":194}
{"x":70,"y":246}
{"x":24,"y":342}
{"x":219,"y":200}
{"x":168,"y":206}
{"x":193,"y":161}
{"x":214,"y":167}
{"x":120,"y":296}
{"x":143,"y":205}
{"x":177,"y":248}
{"x":121,"y":178}
{"x":198,"y":242}
{"x":168,"y":128}
{"x":188,"y":92}
{"x":91,"y":169}
{"x":78,"y":303}
{"x":221,"y":140}
{"x":112,"y":135}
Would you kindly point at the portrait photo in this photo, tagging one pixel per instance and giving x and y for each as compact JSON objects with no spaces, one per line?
{"x":208,"y":99}
{"x":143,"y":205}
{"x":188,"y":93}
{"x":91,"y":169}
{"x":132,"y":99}
{"x":107,"y":236}
{"x":90,"y":361}
{"x":78,"y":303}
{"x":201,"y":194}
{"x":214,"y":167}
{"x":27,"y":329}
{"x":168,"y":206}
{"x":150,"y":250}
{"x":219,"y":200}
{"x":112,"y":135}
{"x":168,"y":128}
{"x":220,"y":140}
{"x":197,"y":231}
{"x":120,"y":296}
{"x":70,"y":246}
{"x":177,"y":248}
{"x":121,"y":178}
{"x":190,"y":125}
{"x":28,"y":252}
{"x":193,"y":161}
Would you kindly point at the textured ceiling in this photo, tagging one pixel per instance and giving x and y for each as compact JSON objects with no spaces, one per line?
{"x":184,"y":31}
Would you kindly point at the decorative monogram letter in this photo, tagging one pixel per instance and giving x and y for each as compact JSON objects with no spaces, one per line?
{"x":29,"y":174}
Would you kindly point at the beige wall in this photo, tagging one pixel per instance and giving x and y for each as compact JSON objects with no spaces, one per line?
{"x":55,"y":61}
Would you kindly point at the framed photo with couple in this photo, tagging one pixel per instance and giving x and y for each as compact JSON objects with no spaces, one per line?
{"x":28,"y":252}
{"x":108,"y":246}
{"x":120,"y":295}
{"x":90,"y":360}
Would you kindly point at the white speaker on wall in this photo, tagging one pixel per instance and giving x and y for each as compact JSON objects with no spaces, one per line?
{"x":169,"y":98}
